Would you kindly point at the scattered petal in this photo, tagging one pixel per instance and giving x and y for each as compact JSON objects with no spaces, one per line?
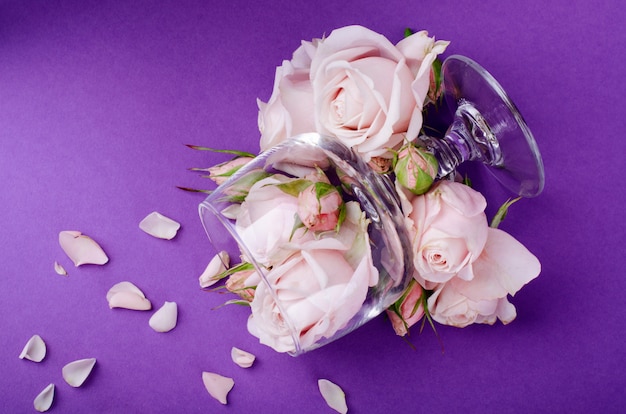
{"x":60,"y":269}
{"x":159,"y":226}
{"x":128,"y":296}
{"x":242,"y":358}
{"x":75,"y":373}
{"x":43,"y":401}
{"x":217,"y":265}
{"x":81,"y":249}
{"x":334,"y":395}
{"x":164,"y":320}
{"x":34,"y":350}
{"x":217,"y":385}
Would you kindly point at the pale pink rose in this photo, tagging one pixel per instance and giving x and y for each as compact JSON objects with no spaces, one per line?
{"x":421,"y":51}
{"x":409,"y":312}
{"x":290,"y":107}
{"x":354,"y":85}
{"x":265,"y":220}
{"x":449,"y":229}
{"x":315,"y":294}
{"x":222,"y":172}
{"x":502,"y":269}
{"x":369,"y":93}
{"x":319,"y":214}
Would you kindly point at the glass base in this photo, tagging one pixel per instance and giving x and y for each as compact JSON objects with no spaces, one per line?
{"x":506,"y":145}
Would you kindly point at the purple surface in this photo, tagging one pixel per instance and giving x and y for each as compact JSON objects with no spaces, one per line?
{"x":96,"y":102}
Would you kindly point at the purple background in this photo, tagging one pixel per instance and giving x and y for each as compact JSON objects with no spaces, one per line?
{"x":96,"y":101}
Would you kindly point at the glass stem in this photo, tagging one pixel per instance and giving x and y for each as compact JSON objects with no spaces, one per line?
{"x":469,"y":138}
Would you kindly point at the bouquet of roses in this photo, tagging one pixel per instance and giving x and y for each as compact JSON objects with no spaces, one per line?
{"x":314,"y":246}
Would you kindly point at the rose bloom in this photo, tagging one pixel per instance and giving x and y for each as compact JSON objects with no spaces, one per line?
{"x":502,"y":269}
{"x":449,"y":229}
{"x":265,"y":220}
{"x":354,"y":85}
{"x":315,"y":294}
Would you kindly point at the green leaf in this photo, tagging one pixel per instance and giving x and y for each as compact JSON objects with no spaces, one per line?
{"x":502,"y":212}
{"x":194,"y":190}
{"x":408,"y":32}
{"x":234,"y":152}
{"x":239,"y":302}
{"x":467,"y":181}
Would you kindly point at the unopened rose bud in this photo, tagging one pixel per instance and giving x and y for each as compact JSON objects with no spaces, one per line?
{"x":221,"y":172}
{"x":236,"y":283}
{"x":319,"y":207}
{"x":408,"y":310}
{"x":415,"y":169}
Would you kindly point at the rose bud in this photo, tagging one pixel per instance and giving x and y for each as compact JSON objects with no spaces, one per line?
{"x":320,"y":206}
{"x":408,"y":310}
{"x":221,"y":172}
{"x":239,"y":284}
{"x":415,"y":169}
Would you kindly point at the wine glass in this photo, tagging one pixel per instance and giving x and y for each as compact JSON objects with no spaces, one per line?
{"x":486,"y":127}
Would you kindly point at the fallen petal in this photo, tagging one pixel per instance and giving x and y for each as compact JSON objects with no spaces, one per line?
{"x":159,"y":226}
{"x":34,"y":350}
{"x":334,"y":395}
{"x":81,"y":249}
{"x":164,"y":319}
{"x":218,"y":386}
{"x":43,"y":401}
{"x":128,"y":296}
{"x":242,"y":358}
{"x":75,"y":373}
{"x":60,"y":269}
{"x":217,"y":265}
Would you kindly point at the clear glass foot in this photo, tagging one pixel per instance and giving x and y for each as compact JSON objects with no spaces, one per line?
{"x":486,"y":127}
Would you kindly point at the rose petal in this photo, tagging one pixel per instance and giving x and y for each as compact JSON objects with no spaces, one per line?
{"x":333,"y":395}
{"x":75,"y":373}
{"x":60,"y":269}
{"x":242,"y":358}
{"x":128,"y":296}
{"x":34,"y":350}
{"x":159,"y":226}
{"x":81,"y":249}
{"x":43,"y":401}
{"x":217,"y":385}
{"x":164,"y":319}
{"x":217,"y":265}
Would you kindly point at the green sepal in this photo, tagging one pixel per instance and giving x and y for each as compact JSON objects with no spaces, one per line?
{"x":241,"y":188}
{"x":297,"y":224}
{"x":408,"y":32}
{"x":234,"y":152}
{"x":229,"y":272}
{"x":294,"y":187}
{"x":343,"y":213}
{"x":502,"y":211}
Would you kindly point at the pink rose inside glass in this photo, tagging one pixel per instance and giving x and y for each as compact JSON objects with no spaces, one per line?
{"x":319,"y":236}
